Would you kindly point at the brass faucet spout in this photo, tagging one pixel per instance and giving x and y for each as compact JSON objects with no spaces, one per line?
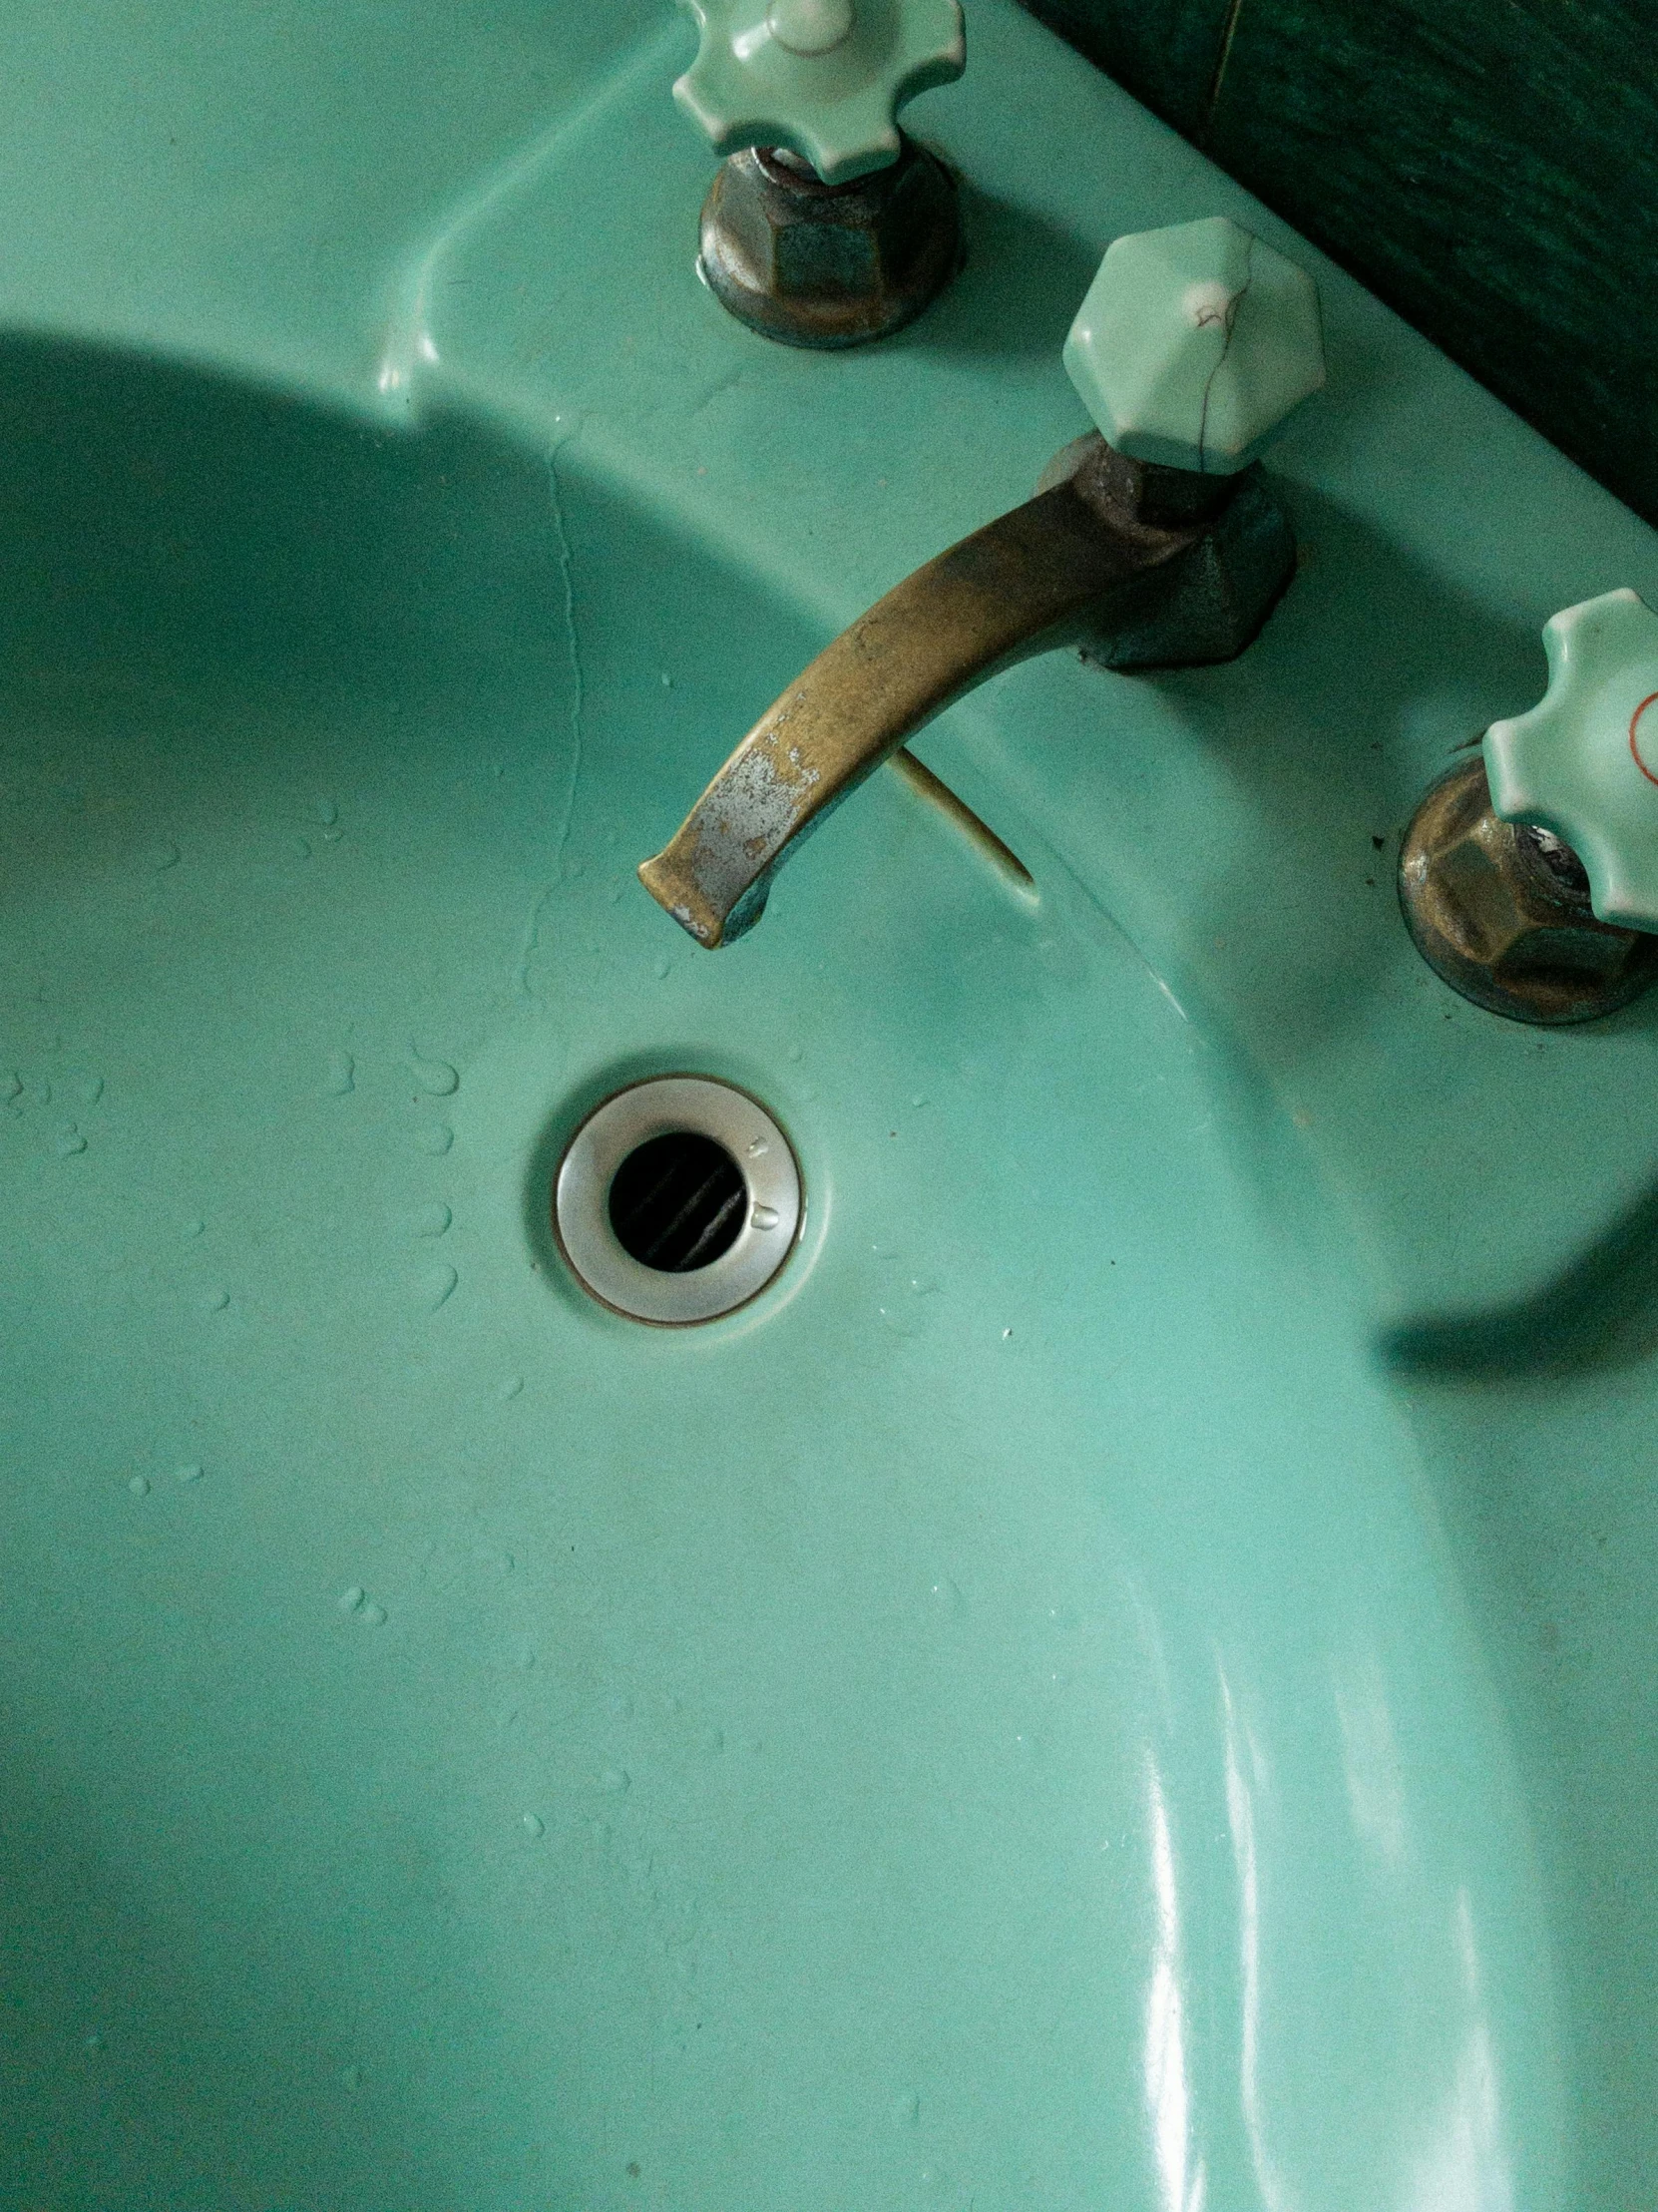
{"x":1094,"y":558}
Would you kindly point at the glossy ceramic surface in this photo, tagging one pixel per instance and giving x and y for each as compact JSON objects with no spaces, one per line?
{"x":1122,"y":1680}
{"x":1584,"y":760}
{"x":824,"y":77}
{"x":1194,"y":345}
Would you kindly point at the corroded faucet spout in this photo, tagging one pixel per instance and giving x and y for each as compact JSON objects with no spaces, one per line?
{"x":1147,"y":567}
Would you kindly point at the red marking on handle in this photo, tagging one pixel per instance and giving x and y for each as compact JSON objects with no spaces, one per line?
{"x":1651,"y":700}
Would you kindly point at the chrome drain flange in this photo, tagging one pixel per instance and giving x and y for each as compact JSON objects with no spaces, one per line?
{"x":678,"y":1200}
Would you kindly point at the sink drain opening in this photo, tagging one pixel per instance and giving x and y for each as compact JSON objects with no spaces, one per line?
{"x":678,"y":1200}
{"x":678,"y":1203}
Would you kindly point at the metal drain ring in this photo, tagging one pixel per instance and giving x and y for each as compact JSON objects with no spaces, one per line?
{"x":614,"y":1130}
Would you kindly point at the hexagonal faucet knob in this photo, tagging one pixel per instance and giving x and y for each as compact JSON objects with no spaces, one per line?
{"x":1583,"y":763}
{"x":1195,"y":345}
{"x":823,"y":78}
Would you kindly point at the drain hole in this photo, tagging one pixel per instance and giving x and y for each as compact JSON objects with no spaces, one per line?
{"x":678,"y":1203}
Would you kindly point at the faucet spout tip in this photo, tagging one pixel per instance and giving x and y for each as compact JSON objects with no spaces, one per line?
{"x":678,"y":894}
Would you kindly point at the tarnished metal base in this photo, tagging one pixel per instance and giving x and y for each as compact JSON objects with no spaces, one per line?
{"x":1502,"y":912}
{"x":820,"y":265}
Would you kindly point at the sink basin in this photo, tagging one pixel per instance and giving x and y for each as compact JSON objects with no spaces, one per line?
{"x":1117,"y":1680}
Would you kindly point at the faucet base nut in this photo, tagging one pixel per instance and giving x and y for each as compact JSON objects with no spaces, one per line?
{"x":817,"y":264}
{"x":1501,"y":912}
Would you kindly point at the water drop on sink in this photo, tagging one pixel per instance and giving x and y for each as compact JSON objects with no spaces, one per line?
{"x":663,"y":963}
{"x":69,"y":1141}
{"x":162,"y":857}
{"x":906,"y":2109}
{"x":436,"y":1076}
{"x":374,"y":1615}
{"x":140,"y":1486}
{"x":764,"y":1218}
{"x":11,"y":1086}
{"x":613,"y":1779}
{"x":435,"y":1140}
{"x":326,"y":810}
{"x":534,"y":1826}
{"x":432,"y":1220}
{"x":438,"y":1286}
{"x":191,"y":1474}
{"x":946,"y":1596}
{"x":215,"y":1301}
{"x":758,"y":1149}
{"x":341,"y":1077}
{"x":350,"y":1599}
{"x":92,"y":1090}
{"x":512,"y":1387}
{"x":194,"y":1226}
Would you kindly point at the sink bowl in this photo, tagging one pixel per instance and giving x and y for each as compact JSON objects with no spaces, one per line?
{"x":1105,"y":1684}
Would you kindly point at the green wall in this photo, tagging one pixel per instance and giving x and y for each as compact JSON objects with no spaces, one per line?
{"x":1489,"y":166}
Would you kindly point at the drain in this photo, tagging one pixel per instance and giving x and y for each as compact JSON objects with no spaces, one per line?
{"x":677,"y":1203}
{"x":678,"y":1200}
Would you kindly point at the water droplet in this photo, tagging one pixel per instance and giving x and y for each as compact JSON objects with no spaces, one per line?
{"x":162,"y":857}
{"x":374,"y":1615}
{"x":436,"y":1286}
{"x":764,"y":1218}
{"x":436,"y":1076}
{"x":341,"y":1076}
{"x":140,"y":1486}
{"x":432,"y":1220}
{"x":797,"y":1052}
{"x":1006,"y":1334}
{"x":511,"y":1386}
{"x":352,"y":2076}
{"x":215,"y":1301}
{"x":758,"y":1149}
{"x":435,"y":1139}
{"x":92,"y":1090}
{"x":326,"y":811}
{"x":667,"y":684}
{"x":302,"y":848}
{"x":946,"y":1595}
{"x":191,"y":1474}
{"x":39,"y":1090}
{"x":532,"y":1826}
{"x":662,"y":966}
{"x":95,"y":2041}
{"x":906,"y":2109}
{"x":69,"y":1141}
{"x":350,"y":1599}
{"x":613,"y":1779}
{"x":713,"y":1743}
{"x":919,"y":1100}
{"x":11,"y":1086}
{"x":194,"y":1226}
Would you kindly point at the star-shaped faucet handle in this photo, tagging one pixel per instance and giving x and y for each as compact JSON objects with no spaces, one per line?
{"x":824,"y":77}
{"x":1583,"y":763}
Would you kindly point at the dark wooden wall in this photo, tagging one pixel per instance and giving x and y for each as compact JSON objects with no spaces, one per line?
{"x":1489,"y":167}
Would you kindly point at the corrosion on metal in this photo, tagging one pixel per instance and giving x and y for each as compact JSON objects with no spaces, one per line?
{"x":1139,"y":570}
{"x":1501,"y":912}
{"x":818,"y":265}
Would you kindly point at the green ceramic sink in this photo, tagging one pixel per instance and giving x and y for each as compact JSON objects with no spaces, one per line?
{"x":1122,"y":1681}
